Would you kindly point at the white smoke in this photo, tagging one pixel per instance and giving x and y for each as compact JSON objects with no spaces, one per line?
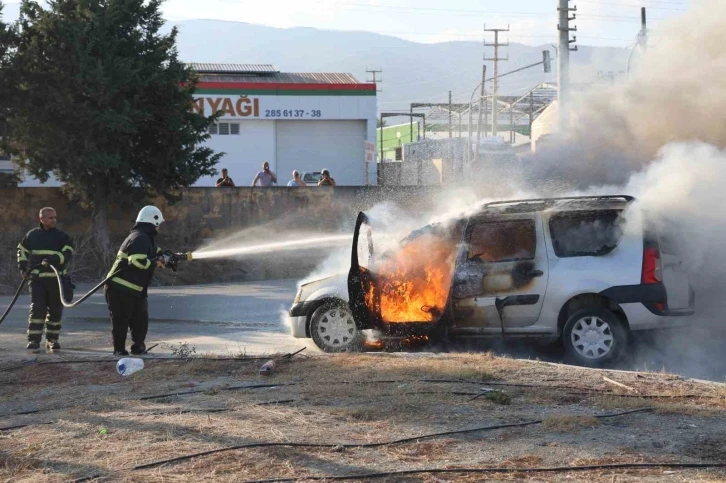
{"x":674,"y":93}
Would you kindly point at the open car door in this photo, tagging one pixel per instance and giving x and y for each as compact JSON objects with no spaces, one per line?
{"x":406,"y":290}
{"x":361,"y":286}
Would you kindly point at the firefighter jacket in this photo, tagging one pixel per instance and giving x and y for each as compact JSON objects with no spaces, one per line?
{"x":40,"y":244}
{"x":137,"y":258}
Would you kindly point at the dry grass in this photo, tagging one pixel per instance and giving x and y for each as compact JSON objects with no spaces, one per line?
{"x":101,"y":426}
{"x":663,"y":406}
{"x":565,"y":423}
{"x":498,"y":397}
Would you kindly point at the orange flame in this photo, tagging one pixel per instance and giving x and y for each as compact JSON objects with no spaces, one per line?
{"x":413,"y":284}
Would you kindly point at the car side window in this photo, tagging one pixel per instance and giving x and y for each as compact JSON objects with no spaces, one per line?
{"x":586,"y":233}
{"x":502,"y":241}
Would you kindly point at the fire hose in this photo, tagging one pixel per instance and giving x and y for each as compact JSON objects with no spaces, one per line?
{"x":169,"y":259}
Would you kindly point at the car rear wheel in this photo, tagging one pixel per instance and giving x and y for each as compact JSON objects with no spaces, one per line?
{"x":333,"y":329}
{"x":594,"y":335}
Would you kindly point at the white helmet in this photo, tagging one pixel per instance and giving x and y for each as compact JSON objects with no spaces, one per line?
{"x":150,"y":214}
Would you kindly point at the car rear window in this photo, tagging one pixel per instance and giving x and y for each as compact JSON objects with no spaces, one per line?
{"x":585,"y":233}
{"x":502,"y":241}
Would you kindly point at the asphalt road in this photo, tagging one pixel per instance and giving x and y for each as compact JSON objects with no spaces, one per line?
{"x":249,"y":318}
{"x":222,"y":319}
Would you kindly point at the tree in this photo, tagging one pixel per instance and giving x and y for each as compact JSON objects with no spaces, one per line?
{"x":7,"y":86}
{"x":104,"y":103}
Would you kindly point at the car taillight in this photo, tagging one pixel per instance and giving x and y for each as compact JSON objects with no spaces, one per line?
{"x":651,"y":266}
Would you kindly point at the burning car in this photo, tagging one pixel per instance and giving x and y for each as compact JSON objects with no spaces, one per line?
{"x":585,"y":270}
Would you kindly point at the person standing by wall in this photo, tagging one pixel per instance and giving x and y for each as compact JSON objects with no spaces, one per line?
{"x":265,"y":177}
{"x":45,"y":242}
{"x":327,"y":179}
{"x":225,"y":180}
{"x":296,"y":180}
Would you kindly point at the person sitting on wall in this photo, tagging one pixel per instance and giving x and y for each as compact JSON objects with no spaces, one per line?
{"x":327,"y":180}
{"x":296,"y":180}
{"x":265,"y":177}
{"x":225,"y":180}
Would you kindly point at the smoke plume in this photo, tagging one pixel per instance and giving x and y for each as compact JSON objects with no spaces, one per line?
{"x":674,"y":93}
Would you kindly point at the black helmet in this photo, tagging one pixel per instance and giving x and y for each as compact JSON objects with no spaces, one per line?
{"x":324,"y":172}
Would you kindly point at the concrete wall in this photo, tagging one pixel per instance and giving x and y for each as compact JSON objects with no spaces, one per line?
{"x":213,"y":212}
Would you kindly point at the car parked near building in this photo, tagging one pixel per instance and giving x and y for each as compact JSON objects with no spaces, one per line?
{"x":585,"y":270}
{"x":312,"y":179}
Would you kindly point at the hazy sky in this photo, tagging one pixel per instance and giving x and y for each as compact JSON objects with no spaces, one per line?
{"x":599,"y":22}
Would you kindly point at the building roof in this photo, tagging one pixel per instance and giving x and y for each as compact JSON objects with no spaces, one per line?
{"x":279,"y":78}
{"x":213,"y":68}
{"x":250,"y":79}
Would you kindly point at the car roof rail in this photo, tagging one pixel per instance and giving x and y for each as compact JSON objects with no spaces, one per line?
{"x":623,"y":198}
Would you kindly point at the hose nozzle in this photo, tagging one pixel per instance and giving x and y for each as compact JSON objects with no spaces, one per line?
{"x":172,"y":259}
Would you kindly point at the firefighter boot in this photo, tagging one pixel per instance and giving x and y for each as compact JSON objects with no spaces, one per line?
{"x":52,"y":345}
{"x":33,"y":345}
{"x":138,"y":348}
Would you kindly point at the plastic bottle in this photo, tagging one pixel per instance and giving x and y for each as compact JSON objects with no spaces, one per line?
{"x":267,"y":368}
{"x":129,"y":365}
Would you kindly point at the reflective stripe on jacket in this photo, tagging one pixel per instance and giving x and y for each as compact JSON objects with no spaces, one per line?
{"x":137,"y":260}
{"x":40,"y":244}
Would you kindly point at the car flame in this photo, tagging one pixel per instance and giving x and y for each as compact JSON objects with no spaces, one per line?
{"x":413,"y":283}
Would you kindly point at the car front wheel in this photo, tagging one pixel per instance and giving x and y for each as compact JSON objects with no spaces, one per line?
{"x":594,"y":335}
{"x":333,"y":329}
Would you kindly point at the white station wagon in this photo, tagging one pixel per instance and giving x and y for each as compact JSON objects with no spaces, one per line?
{"x":586,"y":270}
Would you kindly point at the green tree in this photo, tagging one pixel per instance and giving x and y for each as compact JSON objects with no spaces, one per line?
{"x":104,"y":103}
{"x":7,"y":85}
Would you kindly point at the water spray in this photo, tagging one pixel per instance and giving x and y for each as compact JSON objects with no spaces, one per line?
{"x":325,"y":241}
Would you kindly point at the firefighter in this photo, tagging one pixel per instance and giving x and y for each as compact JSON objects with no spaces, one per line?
{"x":46,"y":242}
{"x":126,"y":293}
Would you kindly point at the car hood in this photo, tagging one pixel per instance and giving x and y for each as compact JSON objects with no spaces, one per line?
{"x":334,"y":285}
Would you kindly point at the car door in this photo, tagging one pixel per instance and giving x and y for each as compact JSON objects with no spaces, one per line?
{"x":501,"y":274}
{"x":362,"y":291}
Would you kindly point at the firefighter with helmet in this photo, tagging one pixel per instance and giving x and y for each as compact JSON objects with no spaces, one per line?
{"x":126,"y":293}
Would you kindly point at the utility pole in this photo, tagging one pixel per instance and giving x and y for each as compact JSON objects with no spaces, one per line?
{"x":481,"y":104}
{"x":642,"y":43}
{"x":563,"y":61}
{"x":450,"y":132}
{"x":531,"y":113}
{"x":495,"y":82}
{"x":410,"y":124}
{"x":375,"y":80}
{"x":381,"y":140}
{"x":643,"y":34}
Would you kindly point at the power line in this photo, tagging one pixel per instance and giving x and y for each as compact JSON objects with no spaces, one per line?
{"x":632,"y":5}
{"x":472,"y":34}
{"x":463,"y":11}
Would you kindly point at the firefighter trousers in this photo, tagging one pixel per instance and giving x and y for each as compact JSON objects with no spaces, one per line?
{"x":128,"y":311}
{"x":46,"y":309}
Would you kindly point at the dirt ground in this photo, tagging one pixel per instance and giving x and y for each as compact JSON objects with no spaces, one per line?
{"x":85,"y":422}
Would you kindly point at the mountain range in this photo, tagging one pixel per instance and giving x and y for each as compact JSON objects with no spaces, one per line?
{"x":411,"y":72}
